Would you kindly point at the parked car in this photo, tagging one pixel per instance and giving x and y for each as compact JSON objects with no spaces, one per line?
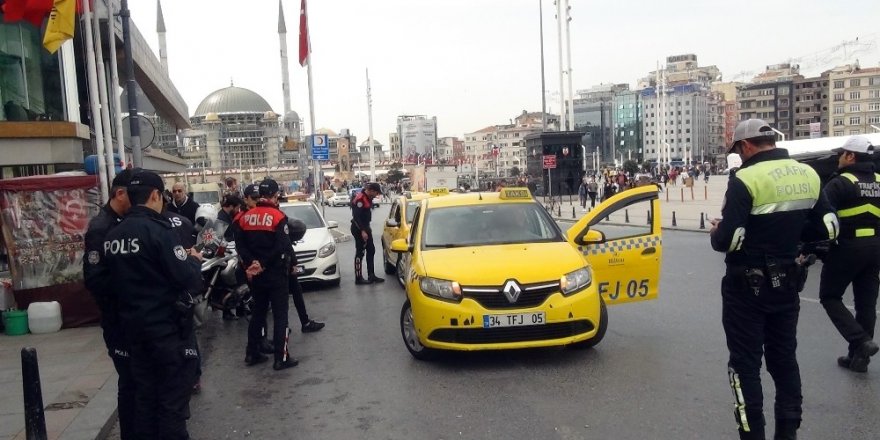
{"x":338,"y":199}
{"x":317,"y":259}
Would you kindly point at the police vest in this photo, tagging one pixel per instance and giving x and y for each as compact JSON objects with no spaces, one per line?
{"x":780,"y":186}
{"x":860,"y":217}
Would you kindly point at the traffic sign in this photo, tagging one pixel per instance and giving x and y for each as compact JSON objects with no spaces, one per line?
{"x":320,"y":147}
{"x":549,"y":161}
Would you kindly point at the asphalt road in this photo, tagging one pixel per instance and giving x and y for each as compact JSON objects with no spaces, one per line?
{"x":660,"y":372}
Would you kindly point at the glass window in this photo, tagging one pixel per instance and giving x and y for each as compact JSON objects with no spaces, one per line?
{"x":855,"y":95}
{"x":30,"y":77}
{"x":307,"y":213}
{"x":838,"y":84}
{"x":856,"y":82}
{"x":855,"y":120}
{"x":488,"y":224}
{"x":838,"y":96}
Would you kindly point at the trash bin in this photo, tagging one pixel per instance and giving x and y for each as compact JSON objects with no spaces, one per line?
{"x":15,"y":322}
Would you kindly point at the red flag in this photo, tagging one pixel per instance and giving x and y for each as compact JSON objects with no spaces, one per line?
{"x":305,"y":48}
{"x":33,"y":11}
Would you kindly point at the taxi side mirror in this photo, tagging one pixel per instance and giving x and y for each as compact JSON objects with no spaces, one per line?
{"x":331,"y":224}
{"x":391,"y":223}
{"x":399,"y":245}
{"x":592,"y":236}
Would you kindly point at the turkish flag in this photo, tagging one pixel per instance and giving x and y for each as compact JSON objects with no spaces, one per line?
{"x":32,"y":11}
{"x":305,"y":48}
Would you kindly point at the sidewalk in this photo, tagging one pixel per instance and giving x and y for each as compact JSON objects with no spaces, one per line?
{"x":707,"y":200}
{"x":78,"y":382}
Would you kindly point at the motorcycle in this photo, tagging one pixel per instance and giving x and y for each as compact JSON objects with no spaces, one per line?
{"x":223,"y":290}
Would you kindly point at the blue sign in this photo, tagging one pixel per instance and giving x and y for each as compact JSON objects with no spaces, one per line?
{"x":320,"y":147}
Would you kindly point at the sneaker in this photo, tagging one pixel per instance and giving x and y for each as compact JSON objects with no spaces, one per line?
{"x":283,"y":365}
{"x":312,"y":326}
{"x":862,"y":356}
{"x":375,"y":279}
{"x":361,"y":281}
{"x":254,"y":359}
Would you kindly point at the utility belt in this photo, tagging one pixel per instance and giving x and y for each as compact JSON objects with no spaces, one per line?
{"x":780,"y":275}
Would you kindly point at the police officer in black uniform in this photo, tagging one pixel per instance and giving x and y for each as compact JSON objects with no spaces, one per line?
{"x":361,"y":215}
{"x":772,"y":204}
{"x":97,"y":280}
{"x":263,"y":243}
{"x":297,"y":229}
{"x":855,"y":258}
{"x":153,"y":277}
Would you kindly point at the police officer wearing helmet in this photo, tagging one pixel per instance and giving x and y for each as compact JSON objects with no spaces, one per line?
{"x":153,"y":277}
{"x":97,"y":280}
{"x":263,"y":243}
{"x":772,"y":204}
{"x":855,"y":258}
{"x":361,"y":215}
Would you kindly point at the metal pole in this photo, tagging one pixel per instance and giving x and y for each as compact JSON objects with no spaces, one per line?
{"x":137,"y":155}
{"x":563,"y":122}
{"x":34,"y":417}
{"x":543,"y":82}
{"x":92,"y":74}
{"x":570,"y":110}
{"x":316,"y":166}
{"x":370,"y":122}
{"x":114,"y":78}
{"x":102,"y":95}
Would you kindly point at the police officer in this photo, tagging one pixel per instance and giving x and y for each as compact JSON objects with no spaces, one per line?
{"x":97,"y":280}
{"x":263,"y":243}
{"x":772,"y":204}
{"x":361,"y":215}
{"x":152,"y":277}
{"x":855,"y":258}
{"x":297,"y":229}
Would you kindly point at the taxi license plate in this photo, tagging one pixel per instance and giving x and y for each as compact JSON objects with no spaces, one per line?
{"x":300,"y":269}
{"x":513,"y":320}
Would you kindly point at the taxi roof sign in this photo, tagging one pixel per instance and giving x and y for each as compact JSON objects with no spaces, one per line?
{"x":515,"y":193}
{"x":440,"y":191}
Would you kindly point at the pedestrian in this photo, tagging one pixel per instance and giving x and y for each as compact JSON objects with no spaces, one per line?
{"x":582,"y":195}
{"x":855,"y":258}
{"x":229,"y":208}
{"x":154,"y":279}
{"x":263,"y":243}
{"x":182,"y":203}
{"x":773,"y":203}
{"x":361,"y":215}
{"x":593,"y":191}
{"x":97,"y":279}
{"x":297,"y":229}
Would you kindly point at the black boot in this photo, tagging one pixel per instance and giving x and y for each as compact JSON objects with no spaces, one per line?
{"x":358,"y":278}
{"x":374,"y":279}
{"x":285,"y":364}
{"x":861,"y":356}
{"x":252,"y":359}
{"x":786,"y":429}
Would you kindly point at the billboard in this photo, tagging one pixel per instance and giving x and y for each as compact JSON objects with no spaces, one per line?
{"x":418,"y":137}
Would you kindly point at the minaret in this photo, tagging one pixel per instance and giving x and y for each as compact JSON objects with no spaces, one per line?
{"x":160,"y":29}
{"x":285,"y":73}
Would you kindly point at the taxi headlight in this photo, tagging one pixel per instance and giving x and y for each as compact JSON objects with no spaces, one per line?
{"x":575,"y":281}
{"x":444,"y":289}
{"x":327,"y":250}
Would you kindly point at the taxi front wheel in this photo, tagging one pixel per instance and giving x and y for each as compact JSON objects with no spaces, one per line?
{"x":411,"y":336}
{"x":603,"y":327}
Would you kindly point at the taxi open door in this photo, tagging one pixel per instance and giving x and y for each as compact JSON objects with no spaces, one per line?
{"x":622,"y":241}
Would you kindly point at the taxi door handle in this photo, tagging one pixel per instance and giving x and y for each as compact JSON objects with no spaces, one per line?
{"x":649,"y":251}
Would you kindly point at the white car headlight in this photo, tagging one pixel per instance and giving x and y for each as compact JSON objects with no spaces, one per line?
{"x":327,"y":250}
{"x":440,"y":288}
{"x":575,"y":281}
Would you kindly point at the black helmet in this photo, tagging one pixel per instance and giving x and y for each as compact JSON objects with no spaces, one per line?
{"x":297,"y":228}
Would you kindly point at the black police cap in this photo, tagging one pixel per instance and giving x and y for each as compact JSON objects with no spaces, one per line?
{"x":268,"y":187}
{"x":149,"y":179}
{"x":251,"y":191}
{"x":373,"y":186}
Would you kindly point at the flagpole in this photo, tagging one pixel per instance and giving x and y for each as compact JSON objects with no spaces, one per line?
{"x":315,"y":165}
{"x":114,"y":78}
{"x":91,"y":72}
{"x":370,"y":120}
{"x":102,"y":94}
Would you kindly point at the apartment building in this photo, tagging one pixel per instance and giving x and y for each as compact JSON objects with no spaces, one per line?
{"x":854,"y":106}
{"x":811,"y":107}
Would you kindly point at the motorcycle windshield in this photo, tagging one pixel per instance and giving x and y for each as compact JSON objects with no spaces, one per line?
{"x":211,"y":235}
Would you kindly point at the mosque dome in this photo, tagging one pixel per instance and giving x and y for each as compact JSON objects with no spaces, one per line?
{"x":233,"y":100}
{"x":291,"y":116}
{"x":211,"y":117}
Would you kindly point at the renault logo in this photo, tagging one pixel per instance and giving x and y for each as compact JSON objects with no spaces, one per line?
{"x":511,"y":290}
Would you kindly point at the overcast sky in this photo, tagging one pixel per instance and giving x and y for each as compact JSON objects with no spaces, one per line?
{"x":474,"y":63}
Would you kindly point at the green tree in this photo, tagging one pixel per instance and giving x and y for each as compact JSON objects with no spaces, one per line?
{"x":394,"y":175}
{"x":515,"y":172}
{"x":631,"y":167}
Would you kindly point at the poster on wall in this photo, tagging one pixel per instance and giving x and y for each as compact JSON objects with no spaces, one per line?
{"x":44,"y":221}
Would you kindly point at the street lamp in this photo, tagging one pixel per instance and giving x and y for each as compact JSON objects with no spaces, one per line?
{"x":779,"y":133}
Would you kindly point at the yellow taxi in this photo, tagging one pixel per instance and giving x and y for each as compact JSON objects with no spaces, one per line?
{"x":397,"y":225}
{"x":492,"y":271}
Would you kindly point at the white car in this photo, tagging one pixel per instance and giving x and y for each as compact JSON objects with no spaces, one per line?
{"x":338,"y":199}
{"x":316,"y":256}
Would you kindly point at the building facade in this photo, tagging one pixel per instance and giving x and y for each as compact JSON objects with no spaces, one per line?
{"x":593,"y":114}
{"x":676,"y":128}
{"x":772,"y":102}
{"x":811,"y":107}
{"x":418,"y":137}
{"x":627,"y":122}
{"x":682,"y":69}
{"x":854,"y":100}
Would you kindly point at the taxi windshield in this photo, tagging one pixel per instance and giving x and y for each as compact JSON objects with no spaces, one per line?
{"x":488,"y":224}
